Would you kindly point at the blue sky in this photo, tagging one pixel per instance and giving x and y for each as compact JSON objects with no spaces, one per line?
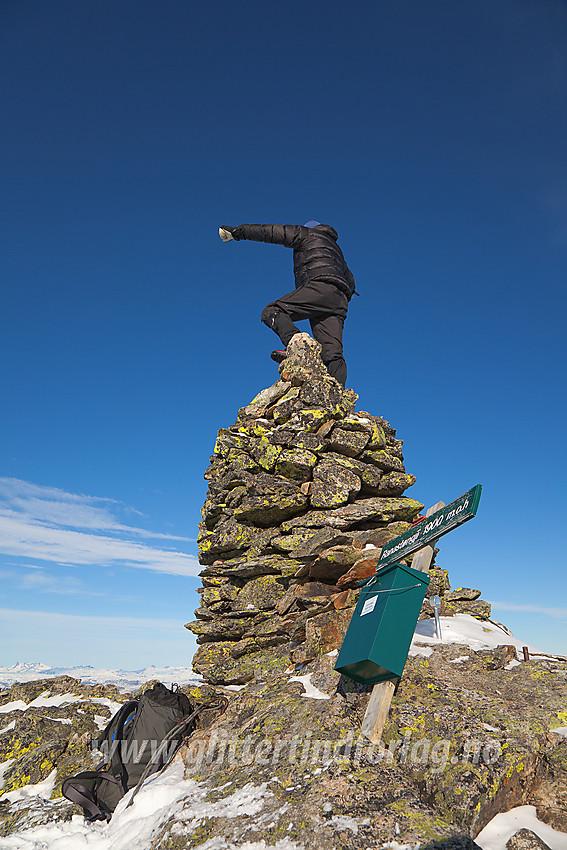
{"x":431,"y":135}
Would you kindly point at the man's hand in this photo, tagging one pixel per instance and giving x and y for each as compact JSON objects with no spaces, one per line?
{"x":225,"y":234}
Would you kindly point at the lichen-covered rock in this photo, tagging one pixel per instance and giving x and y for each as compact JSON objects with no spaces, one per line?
{"x":228,"y":440}
{"x":261,"y":593}
{"x":296,"y":464}
{"x":393,"y":484}
{"x":383,"y":459}
{"x":350,"y":443}
{"x":377,"y":510}
{"x":550,"y":787}
{"x":265,"y":453}
{"x":251,"y":567}
{"x":224,"y":592}
{"x":38,"y":740}
{"x":525,"y":839}
{"x":303,"y":360}
{"x":461,"y":594}
{"x":370,"y":476}
{"x":478,"y":608}
{"x":309,"y":419}
{"x":264,"y":399}
{"x":217,"y":665}
{"x":439,"y":584}
{"x":270,"y":508}
{"x":333,"y":563}
{"x":223,"y":629}
{"x":333,"y":485}
{"x":227,"y":538}
{"x":284,"y":408}
{"x":314,"y":540}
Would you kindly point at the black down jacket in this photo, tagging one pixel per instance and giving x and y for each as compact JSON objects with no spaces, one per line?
{"x":316,"y":255}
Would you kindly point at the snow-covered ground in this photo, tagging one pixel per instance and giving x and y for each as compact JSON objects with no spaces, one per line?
{"x":464,"y":629}
{"x":502,"y":827}
{"x":126,"y":680}
{"x":168,"y":794}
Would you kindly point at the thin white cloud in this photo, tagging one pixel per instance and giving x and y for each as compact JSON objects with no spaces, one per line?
{"x":45,"y":620}
{"x":556,"y":613}
{"x":53,"y":506}
{"x":47,"y":524}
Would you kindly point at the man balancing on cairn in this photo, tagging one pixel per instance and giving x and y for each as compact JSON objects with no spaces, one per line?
{"x":324,"y":285}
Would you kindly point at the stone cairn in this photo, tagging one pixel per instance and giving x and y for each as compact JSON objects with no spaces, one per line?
{"x":303,"y":493}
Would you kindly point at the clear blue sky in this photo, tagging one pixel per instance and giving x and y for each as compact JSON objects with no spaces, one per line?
{"x":431,"y":135}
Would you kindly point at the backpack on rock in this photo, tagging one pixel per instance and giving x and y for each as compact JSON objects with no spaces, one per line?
{"x":141,"y":739}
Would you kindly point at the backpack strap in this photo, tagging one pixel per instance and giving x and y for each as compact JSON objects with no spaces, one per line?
{"x":114,"y":733}
{"x":75,"y":790}
{"x":219,"y":704}
{"x":114,"y":729}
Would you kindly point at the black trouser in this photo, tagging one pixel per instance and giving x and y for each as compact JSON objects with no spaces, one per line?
{"x":325,"y":305}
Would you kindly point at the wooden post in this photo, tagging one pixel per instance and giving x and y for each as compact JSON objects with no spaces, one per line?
{"x":377,"y":711}
{"x":382,"y":693}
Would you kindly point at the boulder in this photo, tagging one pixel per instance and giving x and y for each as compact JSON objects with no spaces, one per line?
{"x":525,"y":839}
{"x":264,"y":399}
{"x":461,"y":594}
{"x":333,"y":485}
{"x":296,"y":464}
{"x":350,"y":443}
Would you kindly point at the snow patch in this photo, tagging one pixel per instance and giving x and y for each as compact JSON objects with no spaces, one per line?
{"x":496,"y":833}
{"x":3,"y":769}
{"x":221,"y":844}
{"x":310,"y":690}
{"x":42,"y":789}
{"x":248,"y":801}
{"x":163,"y":796}
{"x":465,"y":629}
{"x":560,"y":730}
{"x":15,"y":705}
{"x":341,"y":822}
{"x":416,"y":649}
{"x":460,"y":659}
{"x":46,"y":701}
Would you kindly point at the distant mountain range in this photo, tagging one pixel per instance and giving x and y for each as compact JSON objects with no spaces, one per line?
{"x":28,"y":671}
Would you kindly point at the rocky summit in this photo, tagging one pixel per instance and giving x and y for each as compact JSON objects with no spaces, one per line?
{"x":303,"y":492}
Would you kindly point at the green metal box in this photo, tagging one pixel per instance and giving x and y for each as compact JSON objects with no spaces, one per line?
{"x":379,"y":635}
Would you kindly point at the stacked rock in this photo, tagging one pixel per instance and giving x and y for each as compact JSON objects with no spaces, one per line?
{"x":302,"y":494}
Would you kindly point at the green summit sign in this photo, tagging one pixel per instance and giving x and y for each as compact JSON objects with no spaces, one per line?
{"x":431,"y":528}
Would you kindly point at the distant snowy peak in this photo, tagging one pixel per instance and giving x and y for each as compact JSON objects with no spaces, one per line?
{"x":25,"y":667}
{"x":126,"y":680}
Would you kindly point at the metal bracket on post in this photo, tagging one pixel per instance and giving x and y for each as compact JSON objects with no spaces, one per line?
{"x":382,"y":693}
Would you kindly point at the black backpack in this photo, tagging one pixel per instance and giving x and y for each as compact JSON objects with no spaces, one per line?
{"x":141,"y":739}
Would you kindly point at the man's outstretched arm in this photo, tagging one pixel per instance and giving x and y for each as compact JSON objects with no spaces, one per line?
{"x":279,"y":234}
